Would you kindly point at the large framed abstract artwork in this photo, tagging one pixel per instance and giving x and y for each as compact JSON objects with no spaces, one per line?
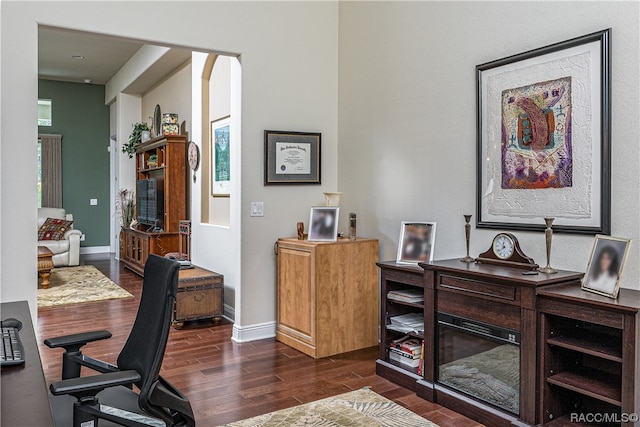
{"x":543,"y":138}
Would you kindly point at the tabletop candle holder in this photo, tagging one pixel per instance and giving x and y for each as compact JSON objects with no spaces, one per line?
{"x":467,"y":233}
{"x":548,"y":234}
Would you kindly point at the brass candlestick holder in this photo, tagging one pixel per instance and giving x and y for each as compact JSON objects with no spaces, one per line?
{"x":548,"y":234}
{"x":467,"y":233}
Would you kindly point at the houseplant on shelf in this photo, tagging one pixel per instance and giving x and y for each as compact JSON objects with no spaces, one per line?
{"x":135,"y":138}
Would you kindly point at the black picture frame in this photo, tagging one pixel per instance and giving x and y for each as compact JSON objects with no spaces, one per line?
{"x":600,"y":205}
{"x":292,"y":158}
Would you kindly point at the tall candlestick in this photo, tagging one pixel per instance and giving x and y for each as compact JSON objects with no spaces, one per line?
{"x":548,"y":234}
{"x":467,"y":233}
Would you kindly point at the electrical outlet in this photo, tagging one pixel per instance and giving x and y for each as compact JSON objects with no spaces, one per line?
{"x":93,"y":202}
{"x":82,"y":237}
{"x":257,"y":208}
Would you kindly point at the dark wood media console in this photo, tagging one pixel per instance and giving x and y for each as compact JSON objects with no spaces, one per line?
{"x":531,"y":309}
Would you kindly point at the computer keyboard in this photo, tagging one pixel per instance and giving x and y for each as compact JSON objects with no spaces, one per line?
{"x":11,"y":351}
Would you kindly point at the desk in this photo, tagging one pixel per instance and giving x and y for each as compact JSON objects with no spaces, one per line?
{"x":24,"y":394}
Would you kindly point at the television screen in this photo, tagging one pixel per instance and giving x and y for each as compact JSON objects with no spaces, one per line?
{"x":150,"y":202}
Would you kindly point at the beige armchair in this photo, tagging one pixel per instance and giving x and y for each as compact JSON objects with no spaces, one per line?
{"x":66,"y":251}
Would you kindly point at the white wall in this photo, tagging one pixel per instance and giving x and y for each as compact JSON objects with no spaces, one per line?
{"x":407,"y":114}
{"x":217,"y":247}
{"x":218,"y":209}
{"x":128,"y":108}
{"x":173,"y":94}
{"x":288,"y":52}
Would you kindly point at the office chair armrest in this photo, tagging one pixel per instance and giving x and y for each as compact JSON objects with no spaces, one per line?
{"x":75,"y":341}
{"x":92,"y":385}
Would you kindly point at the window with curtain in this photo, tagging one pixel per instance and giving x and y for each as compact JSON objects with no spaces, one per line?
{"x":50,"y":171}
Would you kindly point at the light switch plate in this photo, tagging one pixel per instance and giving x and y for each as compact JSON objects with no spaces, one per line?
{"x":257,"y":208}
{"x":93,"y":202}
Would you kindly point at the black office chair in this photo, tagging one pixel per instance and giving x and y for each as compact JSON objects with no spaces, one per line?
{"x":109,"y":396}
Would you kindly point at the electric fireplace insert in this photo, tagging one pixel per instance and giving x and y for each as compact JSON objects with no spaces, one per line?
{"x":480,"y":360}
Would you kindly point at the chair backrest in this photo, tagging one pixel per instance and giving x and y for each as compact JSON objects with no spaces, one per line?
{"x":144,"y":350}
{"x":57,"y":213}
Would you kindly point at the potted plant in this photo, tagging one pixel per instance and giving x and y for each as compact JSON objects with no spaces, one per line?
{"x":135,"y":138}
{"x":126,"y":203}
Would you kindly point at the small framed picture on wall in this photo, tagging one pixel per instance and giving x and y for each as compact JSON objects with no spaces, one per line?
{"x":416,"y":242}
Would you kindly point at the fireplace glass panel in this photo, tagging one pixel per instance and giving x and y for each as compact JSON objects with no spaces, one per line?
{"x":480,"y":360}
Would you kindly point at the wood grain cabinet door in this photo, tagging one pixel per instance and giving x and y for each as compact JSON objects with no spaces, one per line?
{"x":296,"y":294}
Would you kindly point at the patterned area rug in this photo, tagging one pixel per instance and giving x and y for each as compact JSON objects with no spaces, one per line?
{"x":360,"y":408}
{"x":72,"y":285}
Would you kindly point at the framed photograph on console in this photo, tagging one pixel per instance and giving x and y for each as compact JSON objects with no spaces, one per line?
{"x":291,"y":157}
{"x":605,"y":267}
{"x":543,"y":138}
{"x":416,"y":242}
{"x":221,"y":157}
{"x":323,"y":224}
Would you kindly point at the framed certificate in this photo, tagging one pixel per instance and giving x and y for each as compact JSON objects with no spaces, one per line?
{"x":291,"y":157}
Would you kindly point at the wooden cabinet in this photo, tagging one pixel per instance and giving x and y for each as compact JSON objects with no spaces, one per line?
{"x":137,"y":245}
{"x":589,"y":353}
{"x":395,"y":276}
{"x":327,"y":295}
{"x":163,"y":159}
{"x":496,"y":308}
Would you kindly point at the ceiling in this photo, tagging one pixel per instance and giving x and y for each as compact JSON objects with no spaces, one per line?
{"x":103,"y":56}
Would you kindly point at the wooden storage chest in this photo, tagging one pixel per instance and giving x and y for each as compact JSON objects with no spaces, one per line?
{"x":200,"y":296}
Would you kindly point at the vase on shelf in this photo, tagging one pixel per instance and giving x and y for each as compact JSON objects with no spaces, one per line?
{"x":332,"y":199}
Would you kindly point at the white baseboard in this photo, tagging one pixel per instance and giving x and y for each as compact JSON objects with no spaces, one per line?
{"x":259,"y":331}
{"x":95,"y":250}
{"x":229,"y":312}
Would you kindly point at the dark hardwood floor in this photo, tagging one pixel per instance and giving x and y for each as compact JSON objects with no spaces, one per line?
{"x":226,"y":381}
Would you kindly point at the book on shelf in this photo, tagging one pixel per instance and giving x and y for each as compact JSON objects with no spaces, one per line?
{"x":421,"y":364}
{"x":410,"y":322}
{"x":404,"y":358}
{"x":406,"y":295}
{"x":408,"y":344}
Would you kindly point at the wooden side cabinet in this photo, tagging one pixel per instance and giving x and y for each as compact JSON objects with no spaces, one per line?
{"x":589,"y":353}
{"x":136,"y":245}
{"x":327,"y":295}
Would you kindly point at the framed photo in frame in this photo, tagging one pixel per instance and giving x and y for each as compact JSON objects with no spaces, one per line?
{"x":543,"y":138}
{"x":323,"y":224}
{"x":416,"y":244}
{"x":221,"y":157}
{"x":606,"y":264}
{"x":292,"y":157}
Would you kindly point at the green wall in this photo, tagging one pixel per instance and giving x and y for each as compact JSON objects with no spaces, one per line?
{"x":81,"y":117}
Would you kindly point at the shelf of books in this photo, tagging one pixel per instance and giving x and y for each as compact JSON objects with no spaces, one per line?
{"x":402,"y":330}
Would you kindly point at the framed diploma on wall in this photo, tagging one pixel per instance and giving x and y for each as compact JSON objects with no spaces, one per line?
{"x":291,"y":157}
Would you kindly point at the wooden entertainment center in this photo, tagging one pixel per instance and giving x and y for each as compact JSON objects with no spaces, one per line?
{"x":572,"y":352}
{"x":170,"y":171}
